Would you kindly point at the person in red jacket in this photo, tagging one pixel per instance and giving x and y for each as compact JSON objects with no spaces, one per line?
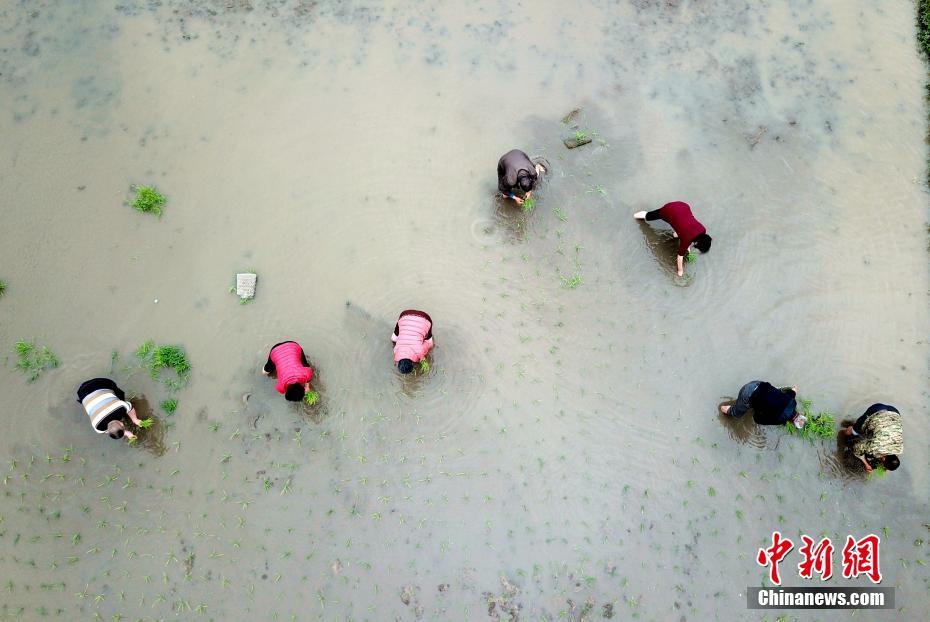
{"x":687,"y":228}
{"x":288,"y":362}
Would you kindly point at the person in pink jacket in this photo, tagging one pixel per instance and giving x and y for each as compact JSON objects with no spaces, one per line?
{"x":413,"y":338}
{"x":289,"y":363}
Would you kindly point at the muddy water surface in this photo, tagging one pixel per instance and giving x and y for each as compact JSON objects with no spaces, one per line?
{"x":563,"y":458}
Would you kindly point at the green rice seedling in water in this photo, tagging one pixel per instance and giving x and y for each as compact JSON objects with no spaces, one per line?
{"x":691,"y":256}
{"x":821,"y":425}
{"x":2,"y":288}
{"x":169,"y":406}
{"x":879,"y":471}
{"x":146,"y":423}
{"x":311,"y":398}
{"x":148,"y":200}
{"x":528,"y":204}
{"x":424,"y":366}
{"x":158,"y":358}
{"x":34,"y":360}
{"x":571,"y":282}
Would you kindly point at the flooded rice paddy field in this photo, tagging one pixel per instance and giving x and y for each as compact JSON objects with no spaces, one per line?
{"x":563,"y":459}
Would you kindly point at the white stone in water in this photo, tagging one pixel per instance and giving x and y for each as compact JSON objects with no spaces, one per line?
{"x":245,"y":285}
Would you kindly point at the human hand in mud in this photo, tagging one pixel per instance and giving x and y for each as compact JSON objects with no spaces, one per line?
{"x":517,"y":199}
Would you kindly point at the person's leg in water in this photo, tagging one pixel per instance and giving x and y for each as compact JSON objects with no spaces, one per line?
{"x":648,"y":216}
{"x":741,"y":406}
{"x":655,"y":214}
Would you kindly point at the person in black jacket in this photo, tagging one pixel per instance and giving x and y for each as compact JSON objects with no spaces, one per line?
{"x":517,"y":173}
{"x":770,"y":405}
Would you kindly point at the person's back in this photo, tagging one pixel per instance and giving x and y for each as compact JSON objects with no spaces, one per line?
{"x":412,"y":337}
{"x":288,"y":362}
{"x":515,"y":171}
{"x":771,"y":405}
{"x":678,"y":214}
{"x":105,"y":405}
{"x":882,"y":434}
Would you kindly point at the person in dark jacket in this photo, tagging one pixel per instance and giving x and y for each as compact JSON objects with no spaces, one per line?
{"x":687,"y":229}
{"x":516,"y":173}
{"x":770,"y":405}
{"x":106,"y":406}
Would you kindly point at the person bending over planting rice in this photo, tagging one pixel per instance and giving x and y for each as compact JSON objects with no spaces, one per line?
{"x":879,"y":437}
{"x":516,"y":173}
{"x":413,"y":338}
{"x":770,"y":405}
{"x":106,"y":406}
{"x":686,"y":227}
{"x":288,"y":362}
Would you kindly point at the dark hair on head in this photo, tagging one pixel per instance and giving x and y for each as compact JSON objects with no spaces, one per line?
{"x":294,"y":392}
{"x":702,"y":242}
{"x":405,"y":366}
{"x":891,"y":462}
{"x":525,"y":181}
{"x":116,"y":429}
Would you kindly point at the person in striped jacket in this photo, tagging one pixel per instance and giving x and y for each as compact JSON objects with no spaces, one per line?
{"x":106,"y":406}
{"x":288,"y":362}
{"x":413,"y":338}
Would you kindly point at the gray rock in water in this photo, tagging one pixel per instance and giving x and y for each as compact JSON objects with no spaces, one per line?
{"x":576,"y":140}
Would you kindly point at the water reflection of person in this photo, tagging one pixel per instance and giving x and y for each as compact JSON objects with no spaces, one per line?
{"x":106,"y":406}
{"x":288,"y":362}
{"x":517,"y":173}
{"x":770,"y":405}
{"x":687,"y":229}
{"x":877,"y":437}
{"x":413,"y":338}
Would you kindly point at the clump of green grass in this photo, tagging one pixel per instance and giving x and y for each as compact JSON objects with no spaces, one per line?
{"x":157,"y":358}
{"x":879,"y":471}
{"x":146,"y":423}
{"x":691,"y":256}
{"x":581,"y":135}
{"x":34,"y":360}
{"x":923,"y":26}
{"x":571,"y":282}
{"x":311,"y":398}
{"x":169,"y":406}
{"x":528,"y":204}
{"x":820,"y":425}
{"x":148,"y":200}
{"x":424,"y":366}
